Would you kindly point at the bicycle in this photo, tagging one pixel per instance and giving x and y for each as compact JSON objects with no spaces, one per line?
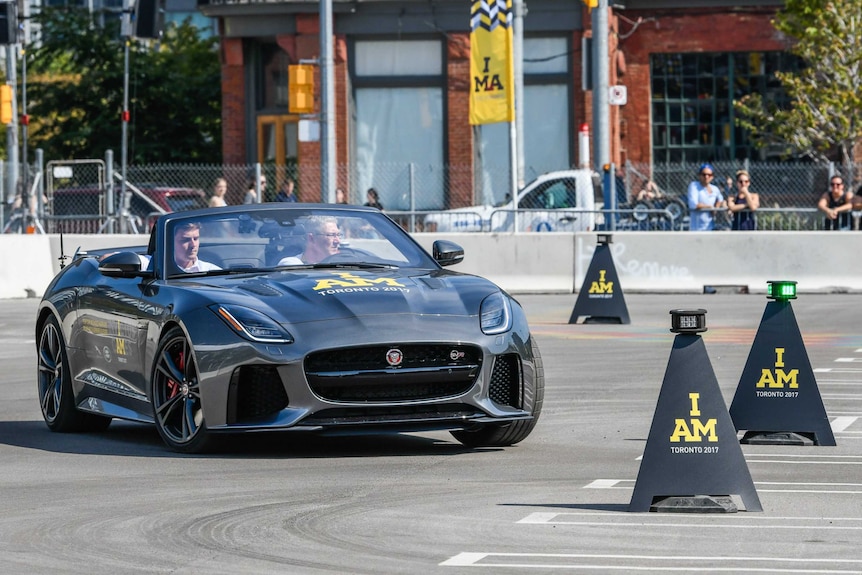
{"x":23,"y":222}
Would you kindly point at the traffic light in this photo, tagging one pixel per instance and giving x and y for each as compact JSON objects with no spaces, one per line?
{"x":300,"y":98}
{"x":5,"y":104}
{"x":591,"y":4}
{"x":8,"y":23}
{"x":148,"y":19}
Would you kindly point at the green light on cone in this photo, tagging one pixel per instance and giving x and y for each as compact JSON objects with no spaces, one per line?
{"x":781,"y":290}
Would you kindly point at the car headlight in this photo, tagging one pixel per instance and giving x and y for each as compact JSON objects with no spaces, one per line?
{"x":252,"y":324}
{"x":496,"y":314}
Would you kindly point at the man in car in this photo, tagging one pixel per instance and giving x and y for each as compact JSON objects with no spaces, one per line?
{"x":322,"y":240}
{"x":187,"y":240}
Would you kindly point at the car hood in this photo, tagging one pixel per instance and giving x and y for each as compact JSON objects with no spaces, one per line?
{"x":315,"y":295}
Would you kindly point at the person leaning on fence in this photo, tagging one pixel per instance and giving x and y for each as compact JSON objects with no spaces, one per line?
{"x":703,"y":199}
{"x":251,"y":194}
{"x":836,"y":204}
{"x":743,"y":204}
{"x":219,"y":190}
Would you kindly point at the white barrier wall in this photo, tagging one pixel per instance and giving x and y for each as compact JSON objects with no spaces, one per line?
{"x":555,"y":262}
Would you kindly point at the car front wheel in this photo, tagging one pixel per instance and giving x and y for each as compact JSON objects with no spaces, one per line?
{"x":176,"y":398}
{"x":55,"y":385}
{"x":500,"y":435}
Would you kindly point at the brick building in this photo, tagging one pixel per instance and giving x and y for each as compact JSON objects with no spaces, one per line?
{"x":402,"y":89}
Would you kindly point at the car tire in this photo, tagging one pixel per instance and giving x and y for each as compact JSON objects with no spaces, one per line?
{"x":175,"y":396}
{"x":501,"y":435}
{"x":54,"y":378}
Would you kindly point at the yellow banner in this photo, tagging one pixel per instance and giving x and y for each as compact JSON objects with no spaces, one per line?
{"x":492,"y":86}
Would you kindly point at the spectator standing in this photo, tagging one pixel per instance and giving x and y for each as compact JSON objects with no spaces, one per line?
{"x":836,"y":204}
{"x":743,"y":204}
{"x":373,"y":199}
{"x":287,"y":193}
{"x":251,"y":194}
{"x":703,"y":199}
{"x":340,"y":196}
{"x":219,"y":190}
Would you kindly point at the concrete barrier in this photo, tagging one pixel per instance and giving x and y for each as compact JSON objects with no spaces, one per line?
{"x":555,"y":262}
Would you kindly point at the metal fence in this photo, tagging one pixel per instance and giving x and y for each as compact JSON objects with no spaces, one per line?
{"x":87,"y":196}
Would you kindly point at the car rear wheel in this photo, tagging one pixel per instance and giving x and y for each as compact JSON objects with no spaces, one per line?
{"x":500,"y":435}
{"x":176,"y":396}
{"x":55,"y":386}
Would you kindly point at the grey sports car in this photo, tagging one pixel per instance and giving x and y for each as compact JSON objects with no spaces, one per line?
{"x":278,"y":317}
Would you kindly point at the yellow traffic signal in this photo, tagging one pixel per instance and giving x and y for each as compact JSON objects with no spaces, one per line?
{"x":300,"y":97}
{"x":5,"y":104}
{"x":591,"y":4}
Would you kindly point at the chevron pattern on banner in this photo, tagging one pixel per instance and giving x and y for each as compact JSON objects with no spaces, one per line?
{"x":490,"y":15}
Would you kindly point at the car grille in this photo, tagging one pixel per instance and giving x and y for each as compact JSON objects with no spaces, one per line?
{"x":255,"y":392}
{"x":505,"y":384}
{"x":363,"y":374}
{"x":401,"y":416}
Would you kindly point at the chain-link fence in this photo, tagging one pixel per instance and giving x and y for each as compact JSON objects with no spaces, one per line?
{"x":87,"y":196}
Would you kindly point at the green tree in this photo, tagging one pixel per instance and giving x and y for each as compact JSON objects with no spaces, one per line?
{"x":75,"y":89}
{"x":824,"y":120}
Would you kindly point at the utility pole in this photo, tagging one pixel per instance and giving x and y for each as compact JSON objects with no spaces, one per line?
{"x":327,"y":105}
{"x":12,"y":127}
{"x":601,"y":86}
{"x":519,"y":7}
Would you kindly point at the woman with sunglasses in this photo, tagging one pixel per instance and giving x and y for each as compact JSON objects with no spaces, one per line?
{"x":743,"y":205}
{"x":704,"y":198}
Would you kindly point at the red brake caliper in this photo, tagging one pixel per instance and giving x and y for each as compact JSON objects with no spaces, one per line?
{"x":173,"y":386}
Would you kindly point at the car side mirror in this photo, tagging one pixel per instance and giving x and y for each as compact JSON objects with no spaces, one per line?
{"x":447,"y":253}
{"x":121,"y":265}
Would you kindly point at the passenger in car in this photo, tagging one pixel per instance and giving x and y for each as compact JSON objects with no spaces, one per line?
{"x":323,"y":239}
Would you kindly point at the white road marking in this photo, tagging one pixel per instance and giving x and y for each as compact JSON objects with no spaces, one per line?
{"x":699,"y":563}
{"x":662,"y":520}
{"x":842,"y":423}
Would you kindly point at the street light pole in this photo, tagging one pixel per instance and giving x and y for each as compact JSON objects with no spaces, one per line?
{"x":124,"y":200}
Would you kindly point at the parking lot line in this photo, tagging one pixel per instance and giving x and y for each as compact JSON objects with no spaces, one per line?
{"x":621,"y":562}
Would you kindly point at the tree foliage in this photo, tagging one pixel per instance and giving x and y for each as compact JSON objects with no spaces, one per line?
{"x":75,"y":92}
{"x":824,"y":120}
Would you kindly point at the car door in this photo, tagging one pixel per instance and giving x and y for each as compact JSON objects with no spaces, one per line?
{"x":113,"y":320}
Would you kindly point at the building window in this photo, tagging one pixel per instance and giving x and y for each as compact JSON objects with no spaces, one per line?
{"x":271,"y":92}
{"x":398,"y":128}
{"x":692,"y":102}
{"x":547,"y":121}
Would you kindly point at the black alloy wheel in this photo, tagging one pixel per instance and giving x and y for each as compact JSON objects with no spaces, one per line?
{"x":54,"y":378}
{"x":176,"y":396}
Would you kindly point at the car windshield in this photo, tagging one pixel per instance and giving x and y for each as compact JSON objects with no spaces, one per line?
{"x":240,"y":241}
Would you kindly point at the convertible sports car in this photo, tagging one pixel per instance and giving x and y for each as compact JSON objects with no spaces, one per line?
{"x":309,"y":317}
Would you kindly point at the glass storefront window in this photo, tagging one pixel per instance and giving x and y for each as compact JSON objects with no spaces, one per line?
{"x":692,"y":102}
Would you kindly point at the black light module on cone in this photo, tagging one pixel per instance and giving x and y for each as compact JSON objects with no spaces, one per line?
{"x":687,"y":320}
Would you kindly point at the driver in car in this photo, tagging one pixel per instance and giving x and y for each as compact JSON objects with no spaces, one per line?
{"x":322,"y":240}
{"x":187,"y":241}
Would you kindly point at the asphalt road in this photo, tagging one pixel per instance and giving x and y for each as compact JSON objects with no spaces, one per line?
{"x":119,"y":502}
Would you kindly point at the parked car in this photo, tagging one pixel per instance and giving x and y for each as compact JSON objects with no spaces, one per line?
{"x":85,"y":210}
{"x":377,"y":336}
{"x":556,"y":201}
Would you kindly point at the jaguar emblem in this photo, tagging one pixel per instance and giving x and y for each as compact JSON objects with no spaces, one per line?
{"x":394,"y":357}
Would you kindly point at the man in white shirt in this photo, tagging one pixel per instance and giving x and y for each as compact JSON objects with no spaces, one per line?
{"x":187,"y":240}
{"x":322,"y":240}
{"x":703,"y":199}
